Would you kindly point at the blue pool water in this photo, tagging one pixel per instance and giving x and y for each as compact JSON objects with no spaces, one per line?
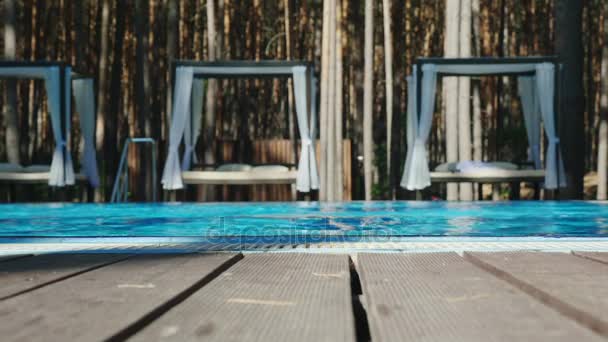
{"x":310,"y":219}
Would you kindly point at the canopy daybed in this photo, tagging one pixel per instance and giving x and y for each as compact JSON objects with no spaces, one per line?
{"x":537,"y":79}
{"x":187,"y":115}
{"x":59,"y":82}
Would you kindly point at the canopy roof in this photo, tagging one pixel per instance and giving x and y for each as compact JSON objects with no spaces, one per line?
{"x":539,"y":95}
{"x":494,"y":66}
{"x":241,"y":68}
{"x":188,"y":103}
{"x":59,"y":81}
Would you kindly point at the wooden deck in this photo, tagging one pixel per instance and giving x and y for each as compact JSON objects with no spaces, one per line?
{"x":305,"y":297}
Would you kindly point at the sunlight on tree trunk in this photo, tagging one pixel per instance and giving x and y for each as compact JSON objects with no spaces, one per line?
{"x":331,"y":105}
{"x":339,"y":180}
{"x":477,"y":124}
{"x":464,"y":97}
{"x":368,"y":88}
{"x":450,"y":89}
{"x":324,"y":99}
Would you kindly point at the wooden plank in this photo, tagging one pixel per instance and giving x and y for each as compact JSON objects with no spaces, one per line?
{"x":108,"y":302}
{"x":595,"y":256}
{"x":26,"y":274}
{"x":266,"y":297}
{"x":442,"y":297}
{"x":576,"y":287}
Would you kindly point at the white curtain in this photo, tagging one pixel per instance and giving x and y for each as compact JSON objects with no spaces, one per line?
{"x":416,"y":174}
{"x":193,"y":124}
{"x":84,"y":99}
{"x":307,"y":177}
{"x":537,"y":95}
{"x":412,"y":117}
{"x":555,"y":175}
{"x":314,"y":175}
{"x":62,"y":171}
{"x":412,"y":123}
{"x":529,"y":101}
{"x":172,"y":177}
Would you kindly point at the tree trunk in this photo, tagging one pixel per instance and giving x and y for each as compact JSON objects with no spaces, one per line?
{"x":106,"y":176}
{"x":142,"y":94}
{"x":464,"y":97}
{"x":172,"y":49}
{"x":388,"y":74}
{"x":209,"y":117}
{"x":112,"y":147}
{"x":324,"y":99}
{"x":331,"y":105}
{"x":291,"y":119}
{"x":368,"y":101}
{"x":477,"y":128}
{"x":450,"y":90}
{"x":339,"y":180}
{"x":570,"y":125}
{"x":602,"y":149}
{"x":10,"y":97}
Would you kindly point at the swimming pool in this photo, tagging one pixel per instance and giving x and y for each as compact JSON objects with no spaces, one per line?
{"x":307,"y":221}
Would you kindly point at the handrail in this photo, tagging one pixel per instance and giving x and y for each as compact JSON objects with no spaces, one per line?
{"x":120,"y":190}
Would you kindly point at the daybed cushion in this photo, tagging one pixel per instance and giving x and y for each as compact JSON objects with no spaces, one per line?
{"x":262,"y":168}
{"x":10,"y":167}
{"x":37,"y":168}
{"x":454,"y":167}
{"x":234,"y":167}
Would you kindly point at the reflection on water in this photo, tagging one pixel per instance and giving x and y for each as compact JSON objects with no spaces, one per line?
{"x":380,"y":219}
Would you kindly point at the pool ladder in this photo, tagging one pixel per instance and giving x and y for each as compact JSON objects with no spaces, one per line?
{"x":120,"y":190}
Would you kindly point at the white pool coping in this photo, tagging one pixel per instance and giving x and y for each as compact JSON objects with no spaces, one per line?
{"x":14,"y":246}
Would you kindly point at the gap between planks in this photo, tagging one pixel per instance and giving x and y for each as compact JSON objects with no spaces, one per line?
{"x":602,"y":258}
{"x":572,"y":311}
